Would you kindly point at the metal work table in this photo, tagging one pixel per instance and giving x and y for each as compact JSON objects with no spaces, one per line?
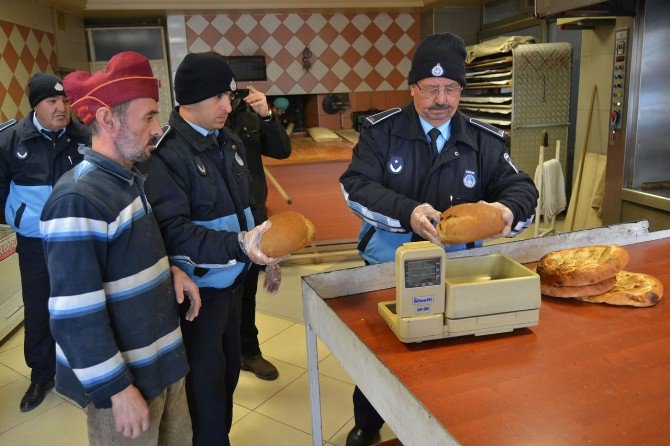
{"x":588,"y":373}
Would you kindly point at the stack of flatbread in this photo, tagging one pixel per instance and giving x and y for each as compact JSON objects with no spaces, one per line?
{"x":595,"y":274}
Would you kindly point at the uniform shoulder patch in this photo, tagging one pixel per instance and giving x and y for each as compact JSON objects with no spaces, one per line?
{"x":379,"y":117}
{"x":489,"y":128}
{"x":8,"y":124}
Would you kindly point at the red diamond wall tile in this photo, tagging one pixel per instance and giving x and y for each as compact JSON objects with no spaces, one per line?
{"x":22,"y":64}
{"x":328,"y":81}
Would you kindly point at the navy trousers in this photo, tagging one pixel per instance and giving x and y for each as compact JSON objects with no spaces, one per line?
{"x":248,"y":330}
{"x":212,"y":344}
{"x":39,"y":345}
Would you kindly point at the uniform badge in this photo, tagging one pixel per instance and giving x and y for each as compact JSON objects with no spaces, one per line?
{"x":469,"y":179}
{"x":233,"y":85}
{"x":238,"y":158}
{"x":201,"y":166}
{"x":21,"y":153}
{"x":396,"y":164}
{"x":509,"y":160}
{"x":437,"y":70}
{"x":58,"y":87}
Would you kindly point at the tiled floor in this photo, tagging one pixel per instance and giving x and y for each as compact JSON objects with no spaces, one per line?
{"x":266,"y":412}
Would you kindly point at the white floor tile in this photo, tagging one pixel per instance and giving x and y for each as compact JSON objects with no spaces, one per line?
{"x":11,"y":394}
{"x":290,"y":346}
{"x":269,"y":326}
{"x":291,"y":406}
{"x":14,"y":359}
{"x":8,"y":375}
{"x":331,"y":368}
{"x":62,"y":425}
{"x":251,"y":392}
{"x":239,"y":412}
{"x":15,"y":340}
{"x":258,"y":430}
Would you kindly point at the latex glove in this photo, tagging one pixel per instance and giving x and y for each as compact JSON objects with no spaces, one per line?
{"x":423,"y":221}
{"x":507,"y":216}
{"x":272,"y":278}
{"x":185,"y":287}
{"x":250,"y":242}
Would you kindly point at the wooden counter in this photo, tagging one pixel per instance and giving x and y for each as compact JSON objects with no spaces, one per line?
{"x":304,"y":150}
{"x":587,"y":374}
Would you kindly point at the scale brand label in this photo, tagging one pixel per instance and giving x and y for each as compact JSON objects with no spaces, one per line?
{"x":422,"y":300}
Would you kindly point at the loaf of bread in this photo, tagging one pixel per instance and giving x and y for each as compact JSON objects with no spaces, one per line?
{"x":583,"y":265}
{"x":468,"y":222}
{"x":289,"y":232}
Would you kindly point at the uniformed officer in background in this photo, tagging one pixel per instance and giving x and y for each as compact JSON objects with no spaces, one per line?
{"x":262,"y":134}
{"x":413,"y":163}
{"x":34,"y":153}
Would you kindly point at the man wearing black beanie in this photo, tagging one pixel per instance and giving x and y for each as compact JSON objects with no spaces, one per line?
{"x":34,"y":153}
{"x":199,"y":188}
{"x":434,"y":157}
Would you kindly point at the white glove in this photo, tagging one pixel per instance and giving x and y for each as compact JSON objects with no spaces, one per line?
{"x":250,"y":243}
{"x":507,"y":217}
{"x":272,"y":278}
{"x":423,"y":221}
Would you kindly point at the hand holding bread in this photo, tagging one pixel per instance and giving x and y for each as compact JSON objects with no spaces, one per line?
{"x":289,"y":231}
{"x":422,"y":221}
{"x":468,"y":222}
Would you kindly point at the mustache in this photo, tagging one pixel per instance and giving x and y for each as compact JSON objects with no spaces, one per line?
{"x":437,"y":107}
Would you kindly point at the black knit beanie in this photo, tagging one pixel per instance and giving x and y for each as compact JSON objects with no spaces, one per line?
{"x":201,"y":76}
{"x":42,"y":86}
{"x":439,"y":55}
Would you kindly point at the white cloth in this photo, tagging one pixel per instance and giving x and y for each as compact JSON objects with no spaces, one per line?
{"x":552,"y":190}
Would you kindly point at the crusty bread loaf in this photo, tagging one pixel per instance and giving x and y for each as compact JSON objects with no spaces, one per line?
{"x":632,"y":289}
{"x":468,"y":222}
{"x":582,"y":266}
{"x":577,"y":291}
{"x":289,"y":232}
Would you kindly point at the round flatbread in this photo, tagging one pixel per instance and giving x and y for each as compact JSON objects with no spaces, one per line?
{"x":577,"y":291}
{"x":634,"y":289}
{"x":585,"y":265}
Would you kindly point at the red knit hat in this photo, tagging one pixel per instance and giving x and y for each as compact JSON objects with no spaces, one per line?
{"x":128,"y":76}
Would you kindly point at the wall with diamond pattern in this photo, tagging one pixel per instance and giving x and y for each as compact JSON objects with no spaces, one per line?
{"x":24,"y":51}
{"x":350,"y":52}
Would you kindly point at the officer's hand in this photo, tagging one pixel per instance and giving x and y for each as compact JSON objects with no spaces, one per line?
{"x":250,"y":242}
{"x":257,"y":101}
{"x":423,"y":221}
{"x":507,"y":217}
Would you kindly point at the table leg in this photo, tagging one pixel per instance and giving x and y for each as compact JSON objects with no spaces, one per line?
{"x":314,"y":394}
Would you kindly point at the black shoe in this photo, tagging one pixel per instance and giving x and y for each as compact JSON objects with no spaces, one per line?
{"x":359,"y":437}
{"x":35,"y":395}
{"x":260,"y":366}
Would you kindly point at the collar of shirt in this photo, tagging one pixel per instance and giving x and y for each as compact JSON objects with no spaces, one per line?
{"x":38,"y":125}
{"x":445,"y":132}
{"x":202,"y":131}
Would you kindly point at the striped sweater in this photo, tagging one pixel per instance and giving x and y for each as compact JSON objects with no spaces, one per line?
{"x":112,"y":306}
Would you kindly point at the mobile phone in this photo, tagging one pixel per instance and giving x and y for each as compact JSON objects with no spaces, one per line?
{"x":241,"y":93}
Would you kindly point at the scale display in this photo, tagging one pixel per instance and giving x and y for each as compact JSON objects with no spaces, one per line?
{"x":422,"y":272}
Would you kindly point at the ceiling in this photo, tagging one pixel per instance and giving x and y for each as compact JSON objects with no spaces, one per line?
{"x":130,"y":8}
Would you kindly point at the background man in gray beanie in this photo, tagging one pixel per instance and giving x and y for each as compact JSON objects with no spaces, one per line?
{"x":34,"y":153}
{"x":413,"y":163}
{"x":199,"y":188}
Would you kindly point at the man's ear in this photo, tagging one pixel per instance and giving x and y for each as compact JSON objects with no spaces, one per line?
{"x":105,"y":118}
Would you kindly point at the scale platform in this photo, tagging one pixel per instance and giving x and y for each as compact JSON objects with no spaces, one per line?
{"x":483,"y":295}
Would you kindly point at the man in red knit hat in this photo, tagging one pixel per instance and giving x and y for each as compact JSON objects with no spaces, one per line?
{"x":114,"y":297}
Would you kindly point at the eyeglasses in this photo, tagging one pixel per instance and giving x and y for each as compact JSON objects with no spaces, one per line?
{"x":431,"y":92}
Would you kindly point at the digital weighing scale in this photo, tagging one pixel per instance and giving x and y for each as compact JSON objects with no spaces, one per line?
{"x":439,"y":298}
